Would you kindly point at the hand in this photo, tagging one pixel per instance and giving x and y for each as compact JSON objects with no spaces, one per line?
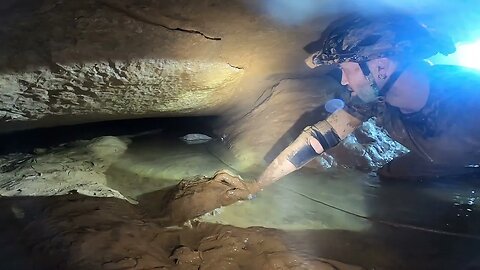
{"x":252,"y":187}
{"x":191,"y":198}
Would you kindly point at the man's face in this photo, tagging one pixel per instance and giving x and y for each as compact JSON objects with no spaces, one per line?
{"x":354,"y":79}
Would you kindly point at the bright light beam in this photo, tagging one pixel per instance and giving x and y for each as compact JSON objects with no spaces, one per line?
{"x":468,"y":54}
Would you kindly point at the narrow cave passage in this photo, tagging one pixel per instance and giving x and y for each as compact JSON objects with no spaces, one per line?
{"x":132,"y":130}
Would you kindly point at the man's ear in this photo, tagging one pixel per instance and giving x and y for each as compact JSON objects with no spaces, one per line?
{"x":384,"y":64}
{"x":382,"y":68}
{"x":387,"y":64}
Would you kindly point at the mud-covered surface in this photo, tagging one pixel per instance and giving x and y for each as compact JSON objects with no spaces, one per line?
{"x":194,"y":197}
{"x":78,"y":165}
{"x":78,"y":232}
{"x":75,"y":231}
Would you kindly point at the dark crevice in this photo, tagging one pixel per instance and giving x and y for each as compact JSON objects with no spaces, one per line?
{"x":269,"y":92}
{"x":26,"y":141}
{"x":236,"y":67}
{"x":147,"y":20}
{"x":265,"y":96}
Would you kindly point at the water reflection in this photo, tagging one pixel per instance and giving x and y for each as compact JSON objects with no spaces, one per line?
{"x":158,"y":160}
{"x":444,"y":205}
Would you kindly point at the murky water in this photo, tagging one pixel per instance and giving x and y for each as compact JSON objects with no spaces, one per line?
{"x":341,"y":214}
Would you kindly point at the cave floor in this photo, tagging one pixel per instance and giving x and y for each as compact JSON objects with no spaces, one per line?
{"x":309,"y":220}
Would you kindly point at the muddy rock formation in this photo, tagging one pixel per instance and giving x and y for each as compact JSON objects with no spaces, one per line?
{"x":78,"y":166}
{"x":78,"y":232}
{"x":194,"y":197}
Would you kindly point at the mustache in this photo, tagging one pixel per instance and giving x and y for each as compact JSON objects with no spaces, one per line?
{"x":350,"y":91}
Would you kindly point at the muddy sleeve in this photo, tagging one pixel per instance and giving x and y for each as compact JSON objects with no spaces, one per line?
{"x":321,"y":137}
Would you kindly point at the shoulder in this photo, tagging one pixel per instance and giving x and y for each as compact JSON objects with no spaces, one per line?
{"x":454,"y":85}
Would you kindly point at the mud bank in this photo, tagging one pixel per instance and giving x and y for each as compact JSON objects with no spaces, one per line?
{"x":74,"y":231}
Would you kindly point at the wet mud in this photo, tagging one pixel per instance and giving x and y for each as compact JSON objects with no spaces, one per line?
{"x":78,"y":232}
{"x":193,"y":197}
{"x":75,"y":231}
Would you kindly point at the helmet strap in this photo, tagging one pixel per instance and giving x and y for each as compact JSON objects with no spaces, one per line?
{"x":388,"y":85}
{"x":393,"y":78}
{"x":369,"y":76}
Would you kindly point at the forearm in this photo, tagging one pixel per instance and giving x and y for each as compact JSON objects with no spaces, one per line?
{"x":288,"y":160}
{"x":310,"y":143}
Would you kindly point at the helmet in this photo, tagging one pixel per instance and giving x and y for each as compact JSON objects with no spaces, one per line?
{"x":360,"y":39}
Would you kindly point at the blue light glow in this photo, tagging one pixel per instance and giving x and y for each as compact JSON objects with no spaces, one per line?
{"x":449,"y":13}
{"x":468,"y":54}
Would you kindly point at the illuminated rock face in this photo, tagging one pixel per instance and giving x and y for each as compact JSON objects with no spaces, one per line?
{"x":67,"y":62}
{"x":116,"y":88}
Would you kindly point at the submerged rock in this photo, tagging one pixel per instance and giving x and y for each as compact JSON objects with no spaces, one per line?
{"x":195,"y":138}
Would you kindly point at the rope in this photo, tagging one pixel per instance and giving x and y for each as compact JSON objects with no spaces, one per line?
{"x":384,"y":222}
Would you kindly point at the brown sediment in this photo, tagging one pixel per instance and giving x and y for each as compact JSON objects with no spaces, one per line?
{"x":78,"y":232}
{"x":194,"y":197}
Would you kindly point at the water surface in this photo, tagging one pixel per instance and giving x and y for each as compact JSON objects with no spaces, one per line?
{"x":341,"y":214}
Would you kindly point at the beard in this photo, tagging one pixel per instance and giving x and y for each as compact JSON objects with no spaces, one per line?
{"x":367,"y":94}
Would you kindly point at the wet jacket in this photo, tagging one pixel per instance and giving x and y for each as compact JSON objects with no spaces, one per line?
{"x":447,"y":129}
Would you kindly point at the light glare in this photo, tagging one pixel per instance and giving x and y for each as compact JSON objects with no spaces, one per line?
{"x":468,"y":54}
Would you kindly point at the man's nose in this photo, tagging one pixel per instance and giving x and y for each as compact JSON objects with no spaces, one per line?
{"x":344,"y":80}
